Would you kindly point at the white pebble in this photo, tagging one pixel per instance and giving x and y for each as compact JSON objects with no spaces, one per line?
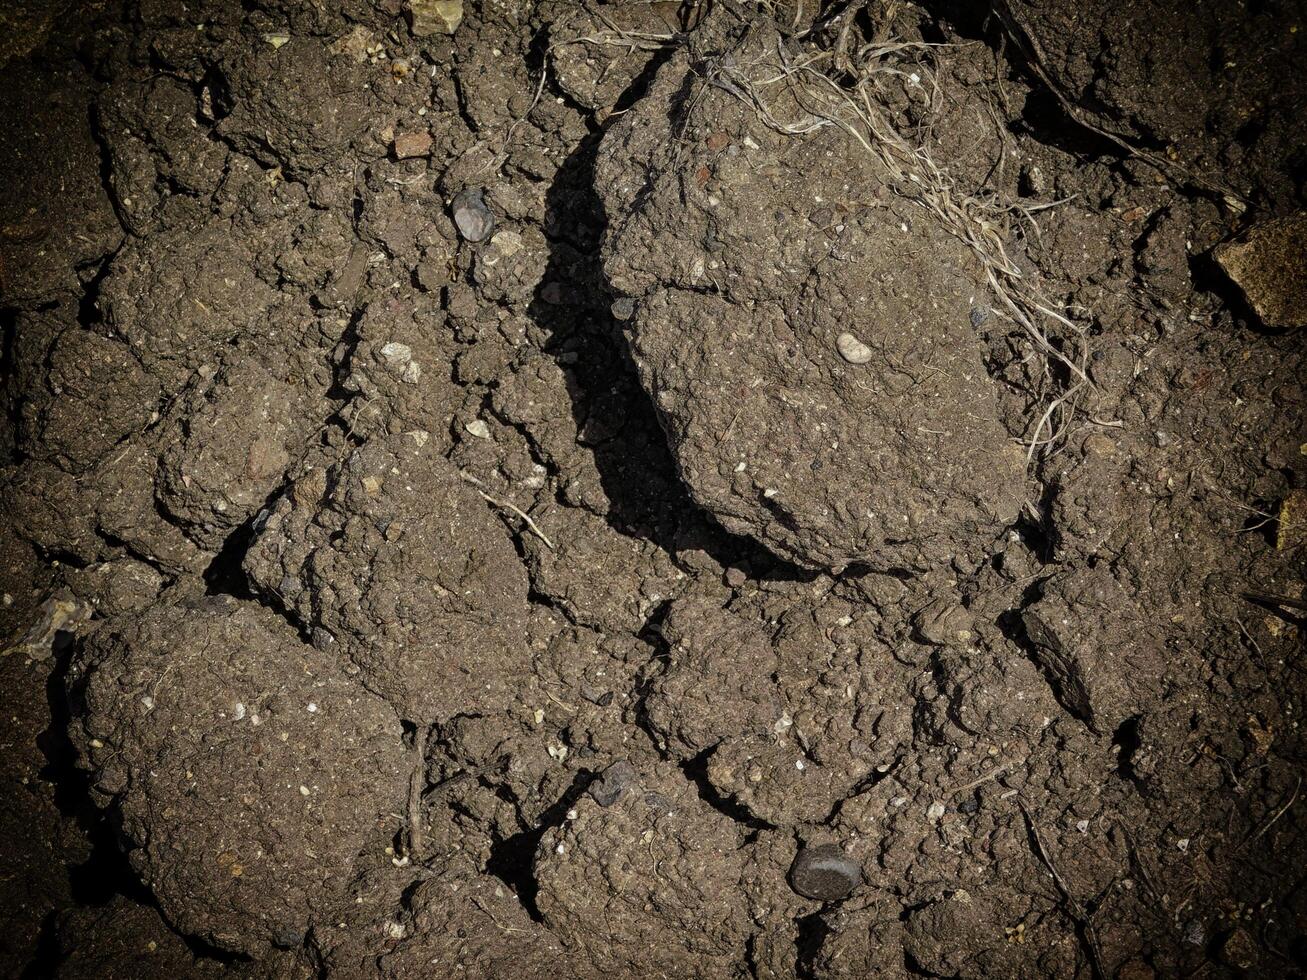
{"x":396,"y":353}
{"x":852,"y":349}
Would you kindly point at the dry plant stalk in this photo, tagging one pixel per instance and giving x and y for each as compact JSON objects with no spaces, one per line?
{"x":980,"y":222}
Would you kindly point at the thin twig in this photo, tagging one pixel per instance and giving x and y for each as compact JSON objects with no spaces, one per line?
{"x":507,"y":506}
{"x":417,"y":783}
{"x":1293,"y":798}
{"x":1275,"y":600}
{"x":1073,"y":905}
{"x":988,"y":777}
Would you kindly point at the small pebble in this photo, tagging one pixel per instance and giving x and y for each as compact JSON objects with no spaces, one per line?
{"x":410,"y":145}
{"x":735,"y":577}
{"x":852,"y":349}
{"x":979,"y":316}
{"x":473,"y":217}
{"x":612,"y":783}
{"x":478,"y":429}
{"x":507,"y":244}
{"x":825,"y":873}
{"x":623,"y":309}
{"x":969,"y":805}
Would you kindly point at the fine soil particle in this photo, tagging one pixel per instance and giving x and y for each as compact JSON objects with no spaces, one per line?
{"x":640,"y":489}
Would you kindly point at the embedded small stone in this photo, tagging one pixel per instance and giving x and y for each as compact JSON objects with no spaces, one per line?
{"x":612,"y":783}
{"x":943,"y":621}
{"x":979,"y":316}
{"x":506,"y":244}
{"x":472,"y":216}
{"x":426,"y":17}
{"x":825,"y":873}
{"x":408,"y":145}
{"x":852,"y":349}
{"x":1239,"y":950}
{"x":623,"y":309}
{"x":397,"y":354}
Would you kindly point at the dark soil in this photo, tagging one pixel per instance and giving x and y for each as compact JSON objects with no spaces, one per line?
{"x":545,"y":501}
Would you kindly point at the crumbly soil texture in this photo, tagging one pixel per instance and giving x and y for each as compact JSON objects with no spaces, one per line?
{"x":565,"y":488}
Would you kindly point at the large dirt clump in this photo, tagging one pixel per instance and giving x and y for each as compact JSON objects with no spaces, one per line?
{"x":203,"y":725}
{"x":813,"y":361}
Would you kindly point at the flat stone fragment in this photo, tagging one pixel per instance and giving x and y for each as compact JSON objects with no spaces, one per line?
{"x":1270,"y":266}
{"x":427,"y":17}
{"x":612,"y":783}
{"x":408,"y":145}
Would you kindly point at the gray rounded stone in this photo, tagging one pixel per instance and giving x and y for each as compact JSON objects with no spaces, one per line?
{"x":612,"y":783}
{"x":825,"y":873}
{"x":472,"y":216}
